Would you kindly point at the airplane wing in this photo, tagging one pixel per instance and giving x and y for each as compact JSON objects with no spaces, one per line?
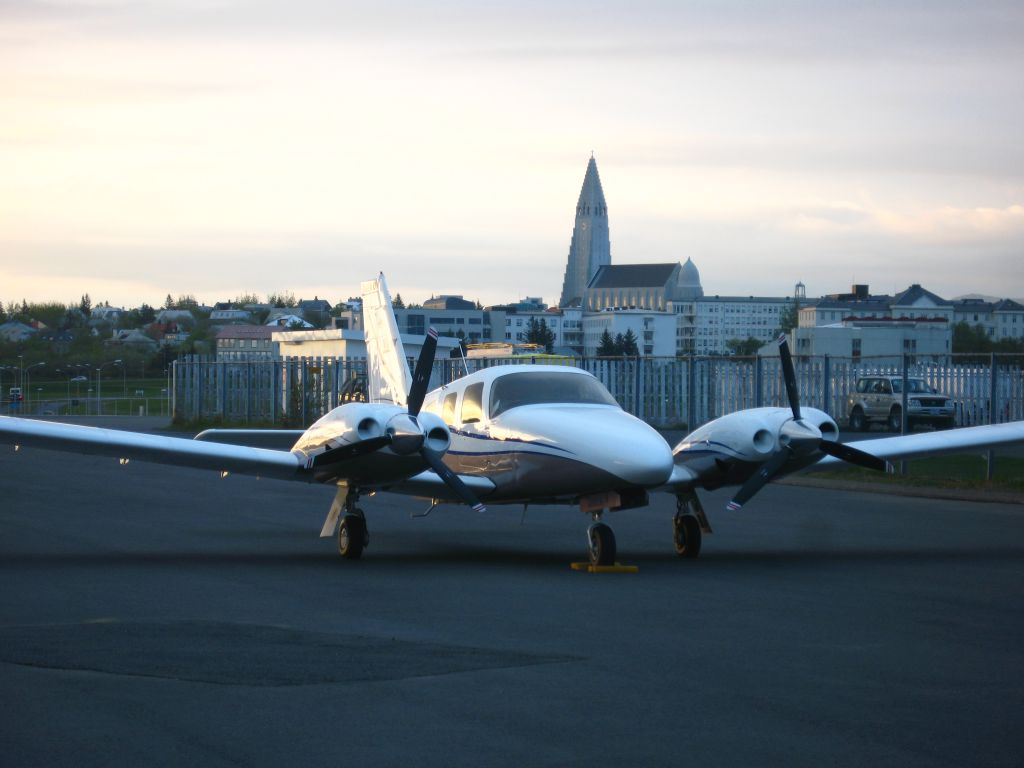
{"x":683,"y":478}
{"x":263,"y":462}
{"x":962,"y":440}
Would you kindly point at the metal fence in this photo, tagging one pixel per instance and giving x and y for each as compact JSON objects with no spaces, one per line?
{"x":666,"y":392}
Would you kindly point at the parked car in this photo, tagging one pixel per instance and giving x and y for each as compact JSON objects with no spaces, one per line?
{"x":879,"y":399}
{"x":77,"y":379}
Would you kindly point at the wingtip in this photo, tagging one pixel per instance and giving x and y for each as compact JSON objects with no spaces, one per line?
{"x":479,"y":508}
{"x":732,"y":506}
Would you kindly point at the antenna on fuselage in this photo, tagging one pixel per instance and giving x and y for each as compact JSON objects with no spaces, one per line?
{"x":462,"y":354}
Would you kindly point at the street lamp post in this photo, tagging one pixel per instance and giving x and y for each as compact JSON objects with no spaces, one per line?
{"x":99,"y":384}
{"x":26,"y":391}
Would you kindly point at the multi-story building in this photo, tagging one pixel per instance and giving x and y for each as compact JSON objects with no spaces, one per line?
{"x":859,"y":304}
{"x":246,"y":342}
{"x":1002,"y":319}
{"x":879,"y":328}
{"x":702,"y":324}
{"x":654,"y":331}
{"x":721,"y":319}
{"x":878,"y":342}
{"x":335,"y":342}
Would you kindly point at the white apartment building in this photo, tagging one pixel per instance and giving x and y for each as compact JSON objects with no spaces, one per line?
{"x":1000,"y":319}
{"x":654,"y":331}
{"x":720,"y":319}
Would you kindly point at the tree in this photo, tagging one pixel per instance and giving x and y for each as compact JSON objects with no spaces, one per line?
{"x":282,"y":299}
{"x":398,"y":303}
{"x":146,"y":314}
{"x":246,"y":298}
{"x":50,"y":313}
{"x":539,"y":333}
{"x":789,"y":318}
{"x":607,"y":346}
{"x":743,"y":347}
{"x":629,"y":347}
{"x":968,"y":338}
{"x":188,"y":301}
{"x":168,"y":302}
{"x":85,"y":305}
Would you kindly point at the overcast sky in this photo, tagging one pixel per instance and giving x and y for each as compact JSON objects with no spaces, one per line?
{"x":223,"y":147}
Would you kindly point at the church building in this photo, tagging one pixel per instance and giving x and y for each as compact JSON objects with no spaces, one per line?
{"x":590,"y":248}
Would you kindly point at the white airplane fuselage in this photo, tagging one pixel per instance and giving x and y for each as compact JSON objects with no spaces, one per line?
{"x":546,"y":433}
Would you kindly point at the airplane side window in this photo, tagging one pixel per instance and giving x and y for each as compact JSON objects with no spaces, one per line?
{"x":448,"y":409}
{"x":434,"y":406}
{"x":472,"y":403}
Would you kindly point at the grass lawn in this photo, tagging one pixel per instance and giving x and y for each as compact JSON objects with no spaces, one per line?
{"x":121,"y":397}
{"x":965,"y":472}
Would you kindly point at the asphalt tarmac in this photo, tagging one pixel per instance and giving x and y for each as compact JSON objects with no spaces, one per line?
{"x":163,"y":616}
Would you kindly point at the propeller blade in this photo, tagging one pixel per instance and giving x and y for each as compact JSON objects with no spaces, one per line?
{"x":421,"y":377}
{"x":452,"y":480}
{"x":853,"y":455}
{"x":759,"y":479}
{"x":350,"y":451}
{"x":789,"y":376}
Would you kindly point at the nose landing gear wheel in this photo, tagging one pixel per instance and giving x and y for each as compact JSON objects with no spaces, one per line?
{"x":602,"y":544}
{"x":352,"y":537}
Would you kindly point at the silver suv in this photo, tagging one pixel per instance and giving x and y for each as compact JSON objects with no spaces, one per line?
{"x":880,"y":399}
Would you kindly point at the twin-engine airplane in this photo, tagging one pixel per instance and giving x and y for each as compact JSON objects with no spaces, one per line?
{"x":517,"y":434}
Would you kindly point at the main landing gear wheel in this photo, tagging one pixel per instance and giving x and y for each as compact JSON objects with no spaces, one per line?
{"x":602,"y":544}
{"x":686,"y":535}
{"x":352,"y":536}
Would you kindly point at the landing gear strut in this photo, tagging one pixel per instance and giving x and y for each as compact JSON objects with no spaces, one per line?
{"x":688,"y":525}
{"x":353,"y":537}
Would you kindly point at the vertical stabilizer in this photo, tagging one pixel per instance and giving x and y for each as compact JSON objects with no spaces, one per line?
{"x":388,"y":378}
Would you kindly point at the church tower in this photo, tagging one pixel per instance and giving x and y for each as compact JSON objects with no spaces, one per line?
{"x":591,"y":247}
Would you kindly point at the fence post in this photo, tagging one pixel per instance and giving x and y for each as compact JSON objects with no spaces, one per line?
{"x":637,"y":361}
{"x":826,"y":386}
{"x":691,"y":405}
{"x":903,"y":408}
{"x":758,"y":373}
{"x":990,"y":458}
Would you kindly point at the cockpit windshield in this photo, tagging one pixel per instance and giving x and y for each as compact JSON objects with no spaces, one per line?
{"x":534,"y":387}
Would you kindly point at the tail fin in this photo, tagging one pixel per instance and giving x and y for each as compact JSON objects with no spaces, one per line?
{"x":388,"y":377}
